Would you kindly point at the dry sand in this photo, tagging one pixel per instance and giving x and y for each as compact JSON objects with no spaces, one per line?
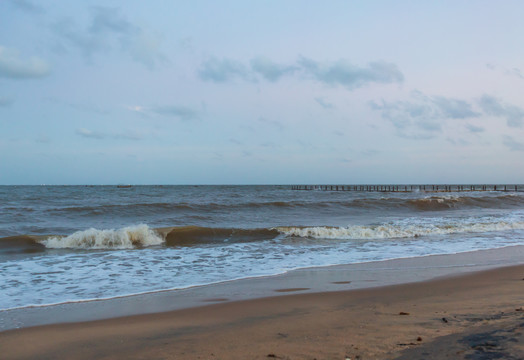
{"x":471,"y":316}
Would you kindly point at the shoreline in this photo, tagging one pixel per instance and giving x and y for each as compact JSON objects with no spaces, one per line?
{"x":458,"y":315}
{"x":303,"y":281}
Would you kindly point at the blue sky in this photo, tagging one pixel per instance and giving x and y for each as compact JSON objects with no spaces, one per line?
{"x":261,"y":92}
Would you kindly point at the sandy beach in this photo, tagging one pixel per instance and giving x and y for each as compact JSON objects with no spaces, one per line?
{"x":290,"y":180}
{"x":473,"y":314}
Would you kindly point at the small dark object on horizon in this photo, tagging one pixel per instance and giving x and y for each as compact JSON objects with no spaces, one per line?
{"x":403,"y":313}
{"x":445,"y":320}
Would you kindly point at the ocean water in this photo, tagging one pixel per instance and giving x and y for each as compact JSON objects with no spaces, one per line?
{"x":78,"y":243}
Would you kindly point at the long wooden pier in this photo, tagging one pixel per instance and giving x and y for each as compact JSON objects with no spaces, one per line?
{"x":411,"y":188}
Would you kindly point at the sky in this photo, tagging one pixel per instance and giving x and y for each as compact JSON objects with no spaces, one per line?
{"x":261,"y":92}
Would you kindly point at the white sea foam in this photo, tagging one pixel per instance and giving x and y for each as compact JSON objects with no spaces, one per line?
{"x":125,"y":238}
{"x":402,"y":229}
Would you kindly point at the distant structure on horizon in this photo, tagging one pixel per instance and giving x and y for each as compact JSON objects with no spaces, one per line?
{"x":410,"y":188}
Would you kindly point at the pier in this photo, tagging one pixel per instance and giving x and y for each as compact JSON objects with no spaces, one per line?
{"x":409,"y":188}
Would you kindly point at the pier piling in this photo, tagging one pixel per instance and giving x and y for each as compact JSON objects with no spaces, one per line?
{"x":411,"y":188}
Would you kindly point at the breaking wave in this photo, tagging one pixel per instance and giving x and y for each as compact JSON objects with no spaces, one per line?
{"x":399,"y":230}
{"x":141,"y":236}
{"x":456,"y":201}
{"x":125,"y":238}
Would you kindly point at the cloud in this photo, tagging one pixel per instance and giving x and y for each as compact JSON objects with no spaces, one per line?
{"x":269,"y":144}
{"x":181,"y":112}
{"x":474,"y":128}
{"x":222,"y":70}
{"x":458,"y":142}
{"x":454,"y":108}
{"x":109,"y":29}
{"x":412,"y":120}
{"x":512,"y":144}
{"x":270,"y":70}
{"x":422,"y":116}
{"x":515,"y":72}
{"x":235,"y":141}
{"x":326,"y":105}
{"x":86,"y":43}
{"x":43,"y":139}
{"x":89,"y":134}
{"x":340,"y":72}
{"x":27,"y":6}
{"x":138,"y":110}
{"x":13,"y":66}
{"x":351,"y":76}
{"x":492,"y":106}
{"x":107,"y":20}
{"x":128,"y":135}
{"x":5,"y":101}
{"x":306,"y":144}
{"x":273,"y":123}
{"x":370,"y":152}
{"x":89,"y":108}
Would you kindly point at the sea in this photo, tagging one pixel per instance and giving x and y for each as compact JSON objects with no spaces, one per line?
{"x":61,"y":244}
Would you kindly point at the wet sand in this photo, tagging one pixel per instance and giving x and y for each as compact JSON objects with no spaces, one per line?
{"x":476,"y":315}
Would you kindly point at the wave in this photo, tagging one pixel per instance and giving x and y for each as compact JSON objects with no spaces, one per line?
{"x":456,"y":201}
{"x":141,"y":236}
{"x":192,"y":235}
{"x":429,"y":203}
{"x":132,"y":237}
{"x":125,"y":238}
{"x":119,"y":208}
{"x":399,"y":230}
{"x":184,"y":206}
{"x":23,"y":244}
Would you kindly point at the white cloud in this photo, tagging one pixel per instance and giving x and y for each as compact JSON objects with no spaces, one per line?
{"x":27,"y":6}
{"x":495,"y":107}
{"x":270,"y":70}
{"x":422,"y":116}
{"x":90,"y":134}
{"x":351,"y":76}
{"x":474,"y":129}
{"x":181,"y":112}
{"x":326,"y":105}
{"x":341,"y":72}
{"x":109,"y":30}
{"x":222,"y":70}
{"x":177,"y":111}
{"x":514,"y":72}
{"x":273,"y":123}
{"x":126,"y":135}
{"x":13,"y":66}
{"x":512,"y":144}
